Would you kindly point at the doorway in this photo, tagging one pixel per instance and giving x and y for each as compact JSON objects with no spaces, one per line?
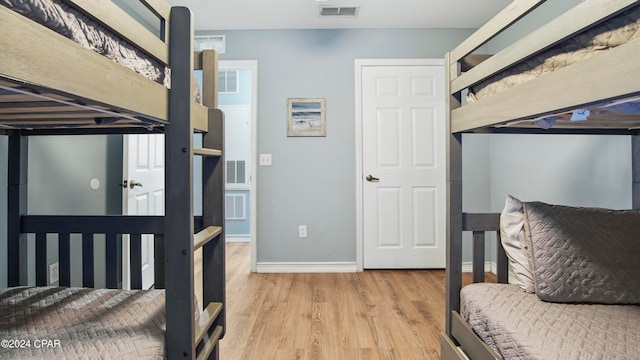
{"x":237,"y":98}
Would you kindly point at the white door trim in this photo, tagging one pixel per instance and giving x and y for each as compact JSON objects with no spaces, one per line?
{"x":360,"y":64}
{"x":253,"y":66}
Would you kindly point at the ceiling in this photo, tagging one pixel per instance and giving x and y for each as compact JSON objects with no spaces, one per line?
{"x":304,"y":14}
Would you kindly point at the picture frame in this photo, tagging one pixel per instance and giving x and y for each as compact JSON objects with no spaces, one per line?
{"x":306,"y":117}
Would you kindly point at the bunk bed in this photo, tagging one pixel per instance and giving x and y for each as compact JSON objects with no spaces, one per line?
{"x":55,"y":81}
{"x":543,"y":84}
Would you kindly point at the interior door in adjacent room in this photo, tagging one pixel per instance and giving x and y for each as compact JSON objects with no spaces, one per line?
{"x":143,"y":194}
{"x":403,"y":165}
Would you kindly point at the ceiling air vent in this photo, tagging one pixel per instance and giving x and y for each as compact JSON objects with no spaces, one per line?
{"x":349,"y":11}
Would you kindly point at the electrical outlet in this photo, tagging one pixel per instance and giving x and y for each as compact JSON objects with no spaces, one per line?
{"x":302,"y":231}
{"x":54,"y":273}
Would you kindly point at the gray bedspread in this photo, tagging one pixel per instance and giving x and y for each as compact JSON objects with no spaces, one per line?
{"x":518,"y":325}
{"x":79,"y":323}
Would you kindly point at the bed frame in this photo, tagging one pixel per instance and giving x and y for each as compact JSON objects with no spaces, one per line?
{"x":74,"y":86}
{"x":580,"y":85}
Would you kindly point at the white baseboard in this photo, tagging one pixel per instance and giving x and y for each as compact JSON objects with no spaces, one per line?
{"x":306,"y":267}
{"x":237,"y":238}
{"x":338,"y":267}
{"x":489,"y":266}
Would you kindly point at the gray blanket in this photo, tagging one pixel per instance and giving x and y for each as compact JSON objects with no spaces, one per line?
{"x":518,"y":325}
{"x":75,"y":323}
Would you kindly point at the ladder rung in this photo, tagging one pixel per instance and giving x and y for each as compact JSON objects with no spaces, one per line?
{"x":207,"y":152}
{"x":211,"y":344}
{"x":205,"y":235}
{"x":207,"y":317}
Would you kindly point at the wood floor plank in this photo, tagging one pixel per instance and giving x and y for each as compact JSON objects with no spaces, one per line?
{"x":372,"y":315}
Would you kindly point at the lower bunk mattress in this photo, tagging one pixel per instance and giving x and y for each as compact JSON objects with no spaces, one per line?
{"x":518,"y":325}
{"x":81,"y":323}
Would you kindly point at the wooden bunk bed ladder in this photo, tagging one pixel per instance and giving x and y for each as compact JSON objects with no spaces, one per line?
{"x":186,"y":337}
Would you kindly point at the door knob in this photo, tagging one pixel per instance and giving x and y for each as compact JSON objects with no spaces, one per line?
{"x":371,"y":178}
{"x":133,"y":184}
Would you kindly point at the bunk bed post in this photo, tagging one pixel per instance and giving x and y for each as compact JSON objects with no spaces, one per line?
{"x":454,"y":229}
{"x":179,"y":191}
{"x":454,"y":204}
{"x":16,"y":207}
{"x":635,"y":169}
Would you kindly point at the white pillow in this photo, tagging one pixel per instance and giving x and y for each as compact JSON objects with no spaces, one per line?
{"x":513,"y":242}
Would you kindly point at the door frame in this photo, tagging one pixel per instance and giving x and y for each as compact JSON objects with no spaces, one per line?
{"x":359,"y":65}
{"x":253,"y":181}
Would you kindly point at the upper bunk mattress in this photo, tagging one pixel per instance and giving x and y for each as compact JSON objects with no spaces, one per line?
{"x":80,"y":323}
{"x":65,"y":20}
{"x":614,"y":32}
{"x":518,"y":325}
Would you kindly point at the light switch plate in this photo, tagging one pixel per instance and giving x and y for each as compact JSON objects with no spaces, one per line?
{"x":265,"y":159}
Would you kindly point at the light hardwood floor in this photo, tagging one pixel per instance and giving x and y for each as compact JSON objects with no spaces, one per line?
{"x":375,"y":314}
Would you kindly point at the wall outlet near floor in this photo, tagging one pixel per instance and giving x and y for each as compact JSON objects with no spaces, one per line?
{"x":54,"y":273}
{"x":302,"y":231}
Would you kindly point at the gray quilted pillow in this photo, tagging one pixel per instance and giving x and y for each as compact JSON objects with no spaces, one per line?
{"x":584,"y":255}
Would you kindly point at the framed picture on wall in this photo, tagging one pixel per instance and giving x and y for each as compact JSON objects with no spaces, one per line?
{"x":306,"y":117}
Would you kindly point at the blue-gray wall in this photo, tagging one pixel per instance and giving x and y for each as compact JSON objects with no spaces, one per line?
{"x":562,"y":169}
{"x":60,"y":172}
{"x":312,"y":180}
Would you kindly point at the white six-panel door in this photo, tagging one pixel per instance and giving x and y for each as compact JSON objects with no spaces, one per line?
{"x":403,"y":166}
{"x":144,"y":164}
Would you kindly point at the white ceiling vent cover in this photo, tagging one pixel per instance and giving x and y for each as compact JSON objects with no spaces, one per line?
{"x":347,"y":11}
